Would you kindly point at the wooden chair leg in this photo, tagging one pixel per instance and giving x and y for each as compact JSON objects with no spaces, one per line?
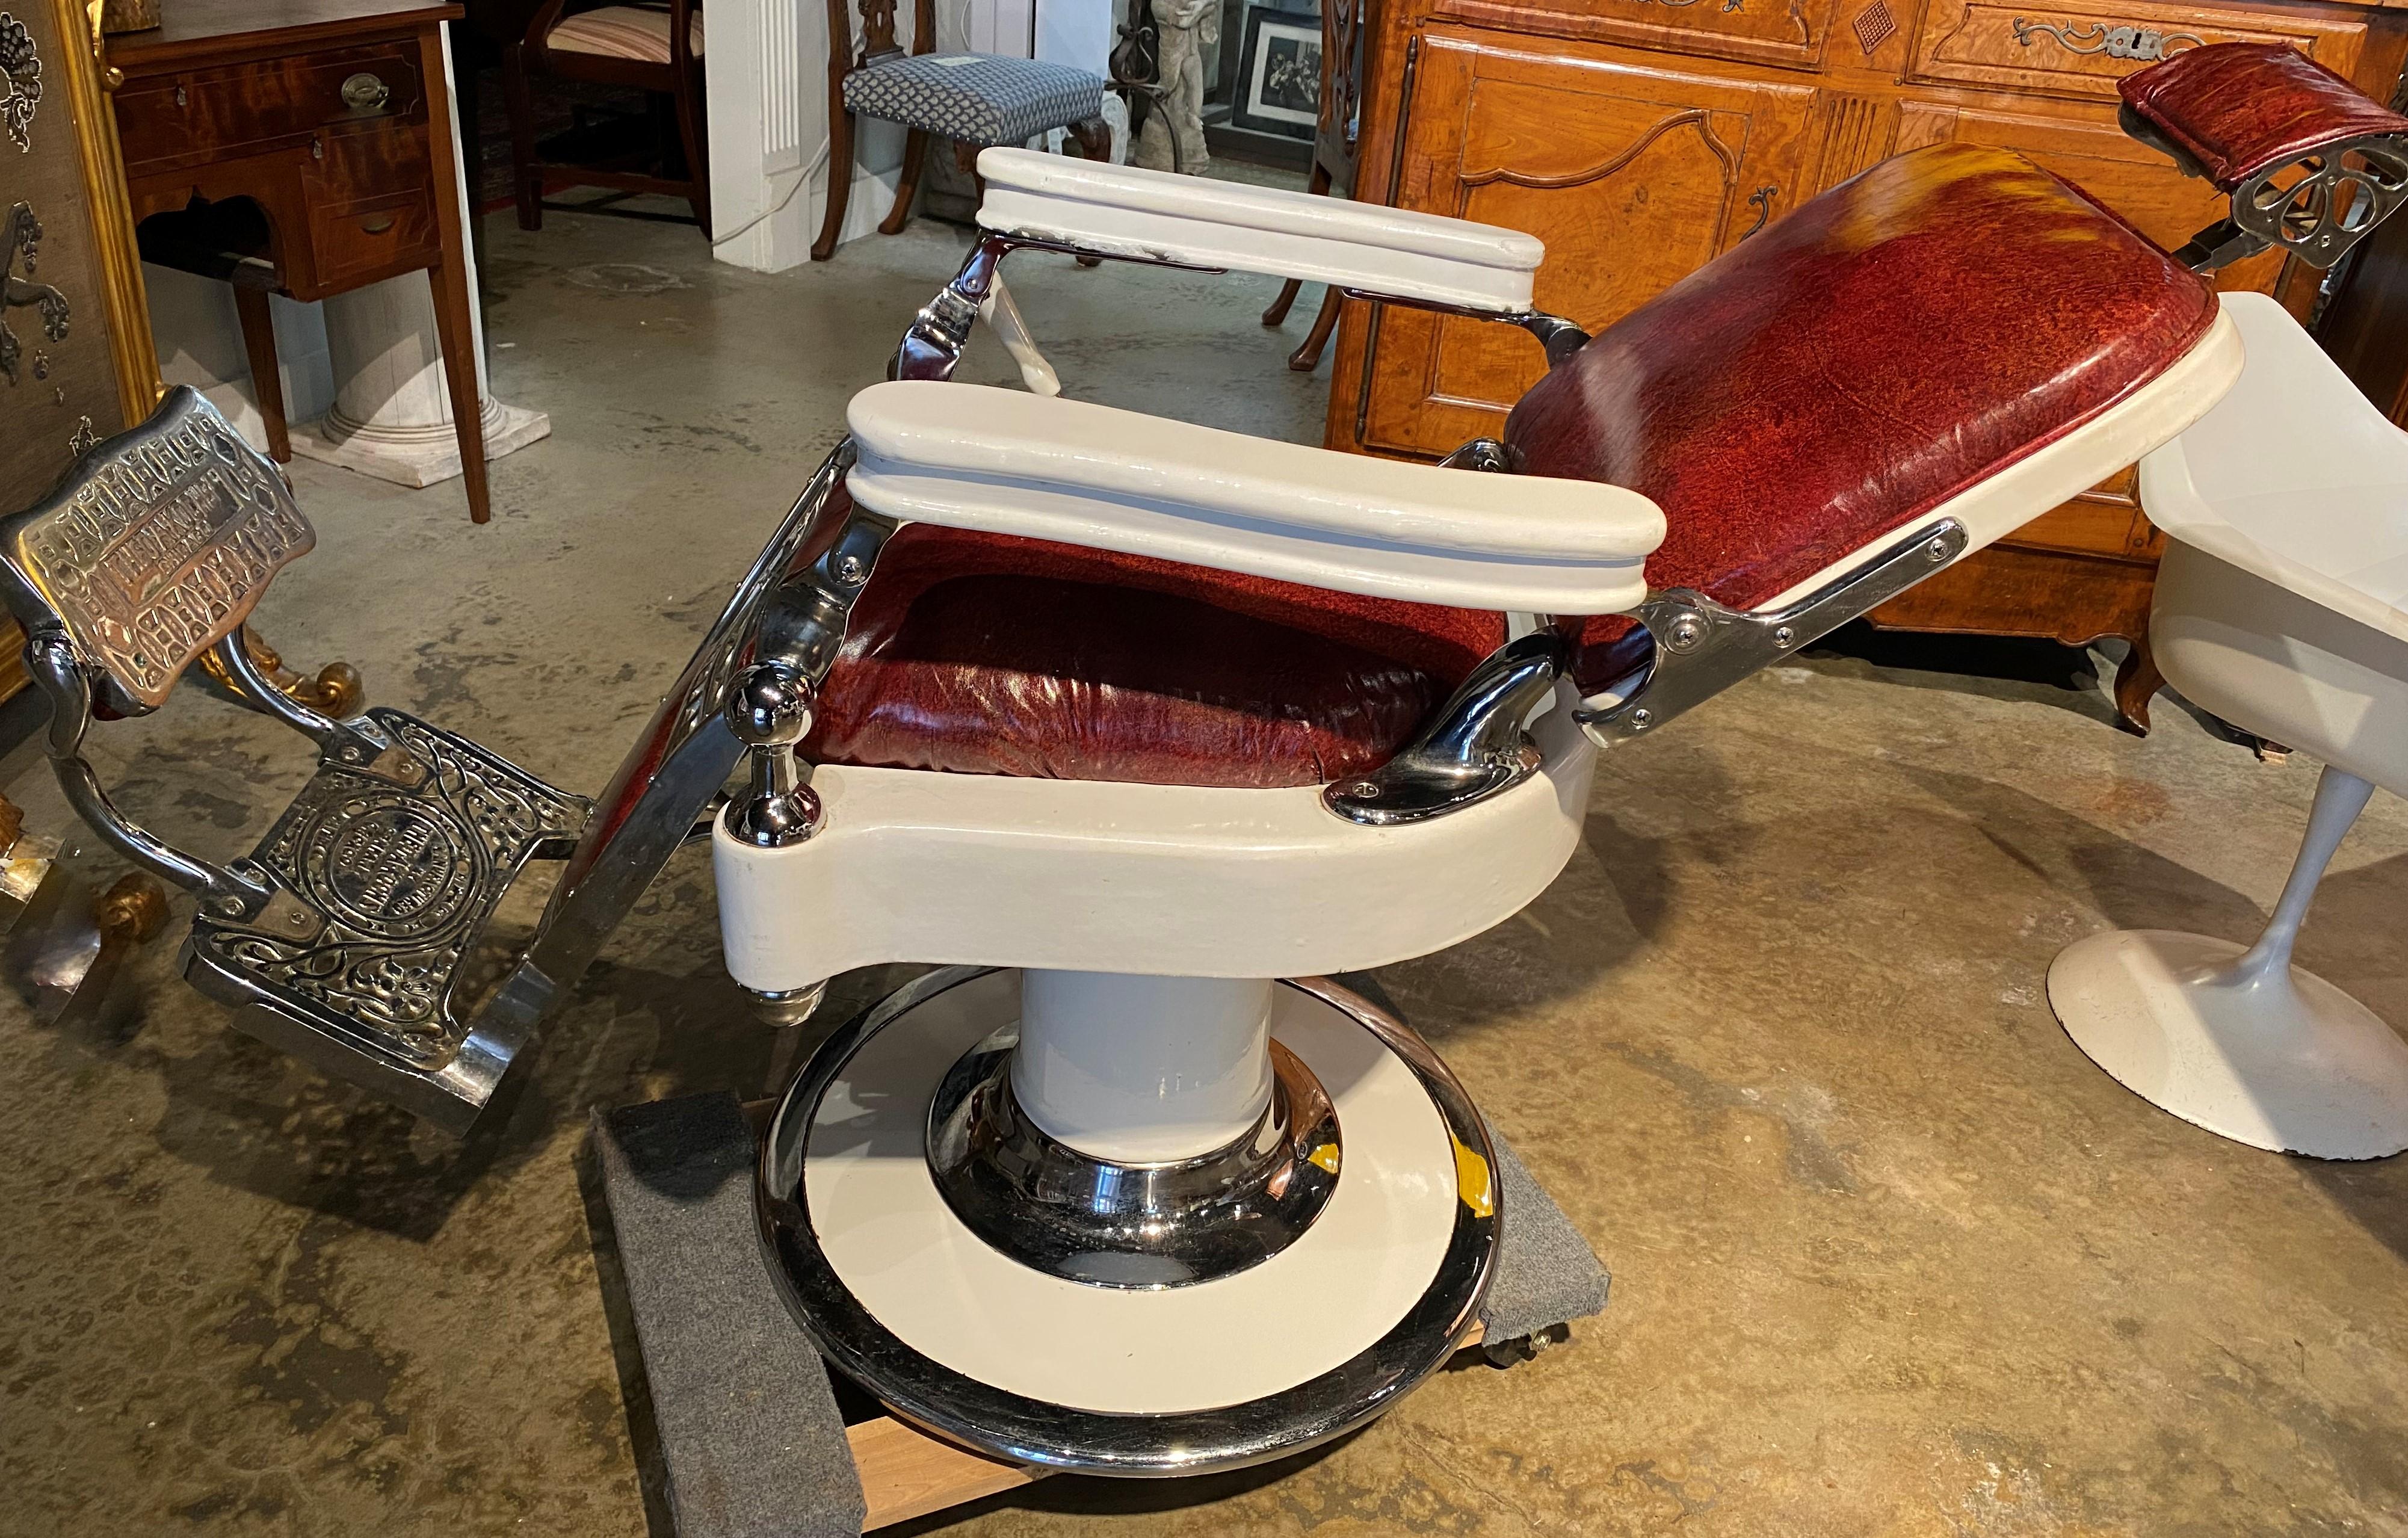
{"x":1095,"y":136}
{"x":526,"y":177}
{"x":915,"y":154}
{"x":266,"y":384}
{"x":1307,"y":357}
{"x":839,"y":172}
{"x":1277,"y":313}
{"x":456,"y":334}
{"x":693,"y":140}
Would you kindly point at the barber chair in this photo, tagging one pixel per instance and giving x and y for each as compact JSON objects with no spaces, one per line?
{"x":2282,"y":608}
{"x":1136,"y":730}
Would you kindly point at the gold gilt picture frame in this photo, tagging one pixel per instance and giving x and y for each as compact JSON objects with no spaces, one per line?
{"x":77,"y":362}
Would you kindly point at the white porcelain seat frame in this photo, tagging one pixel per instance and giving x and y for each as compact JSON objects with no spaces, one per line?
{"x":2281,"y":606}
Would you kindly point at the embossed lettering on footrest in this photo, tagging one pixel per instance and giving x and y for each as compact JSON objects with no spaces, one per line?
{"x":400,"y":871}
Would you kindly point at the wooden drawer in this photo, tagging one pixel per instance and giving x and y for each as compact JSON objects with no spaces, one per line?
{"x":373,"y":239}
{"x":370,"y":213}
{"x":1791,"y":33}
{"x":2082,"y":51}
{"x":233,"y":109}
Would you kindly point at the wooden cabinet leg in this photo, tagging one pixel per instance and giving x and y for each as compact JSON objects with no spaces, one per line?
{"x":2137,"y":682}
{"x":266,"y":384}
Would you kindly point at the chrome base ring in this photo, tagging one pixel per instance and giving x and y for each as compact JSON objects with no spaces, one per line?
{"x":1051,"y":1207}
{"x":1288,"y":1352}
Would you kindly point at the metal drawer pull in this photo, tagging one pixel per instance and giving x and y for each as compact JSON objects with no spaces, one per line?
{"x":2118,"y":42}
{"x":376,"y":224}
{"x":366,"y":93}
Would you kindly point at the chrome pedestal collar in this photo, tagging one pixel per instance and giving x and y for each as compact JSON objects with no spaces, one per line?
{"x":1057,"y":1209}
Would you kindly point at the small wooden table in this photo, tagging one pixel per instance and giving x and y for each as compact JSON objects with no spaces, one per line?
{"x":332,"y":117}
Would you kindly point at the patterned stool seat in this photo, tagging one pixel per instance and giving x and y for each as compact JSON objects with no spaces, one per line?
{"x":974,"y":98}
{"x":622,"y":31}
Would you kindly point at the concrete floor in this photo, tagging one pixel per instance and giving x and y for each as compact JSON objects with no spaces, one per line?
{"x":1890,"y":1256}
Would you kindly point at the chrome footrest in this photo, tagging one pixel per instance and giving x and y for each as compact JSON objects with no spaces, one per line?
{"x":385,"y":870}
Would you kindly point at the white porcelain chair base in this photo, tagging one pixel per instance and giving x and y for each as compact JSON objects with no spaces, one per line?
{"x":952,"y":1334}
{"x":2281,"y":1060}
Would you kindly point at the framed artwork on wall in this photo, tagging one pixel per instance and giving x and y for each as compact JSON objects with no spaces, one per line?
{"x":75,"y":358}
{"x":1278,"y":74}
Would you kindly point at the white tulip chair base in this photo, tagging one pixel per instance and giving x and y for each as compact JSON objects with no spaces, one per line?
{"x":2279,"y":1060}
{"x":1098,"y":1357}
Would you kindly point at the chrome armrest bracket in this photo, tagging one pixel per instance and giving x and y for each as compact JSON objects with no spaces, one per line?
{"x":1557,"y":335}
{"x":932,"y":346}
{"x":1704,"y":647}
{"x":1472,"y":748}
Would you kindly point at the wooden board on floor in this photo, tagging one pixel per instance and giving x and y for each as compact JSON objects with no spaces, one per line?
{"x":905,"y":1472}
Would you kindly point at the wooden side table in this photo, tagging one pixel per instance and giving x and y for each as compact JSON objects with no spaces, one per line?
{"x":332,"y":117}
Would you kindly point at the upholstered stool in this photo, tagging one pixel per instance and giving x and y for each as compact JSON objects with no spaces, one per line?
{"x":976,"y":100}
{"x":2281,"y":606}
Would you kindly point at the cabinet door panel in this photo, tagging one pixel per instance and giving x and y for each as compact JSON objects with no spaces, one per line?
{"x":1633,"y":173}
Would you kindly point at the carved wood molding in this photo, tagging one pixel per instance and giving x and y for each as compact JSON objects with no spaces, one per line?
{"x":1700,"y":118}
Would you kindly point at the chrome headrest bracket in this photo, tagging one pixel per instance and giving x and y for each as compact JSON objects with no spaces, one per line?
{"x":1704,"y":647}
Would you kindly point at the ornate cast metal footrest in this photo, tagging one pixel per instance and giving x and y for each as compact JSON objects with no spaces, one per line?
{"x":384,"y":872}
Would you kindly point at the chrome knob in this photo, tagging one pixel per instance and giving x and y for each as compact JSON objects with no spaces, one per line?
{"x":770,"y":707}
{"x":769,"y":712}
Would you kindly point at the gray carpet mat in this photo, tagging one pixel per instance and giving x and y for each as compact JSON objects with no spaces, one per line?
{"x":749,"y":1435}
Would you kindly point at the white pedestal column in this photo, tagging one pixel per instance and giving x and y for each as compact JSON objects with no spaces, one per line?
{"x":1142,"y":1069}
{"x":391,"y":416}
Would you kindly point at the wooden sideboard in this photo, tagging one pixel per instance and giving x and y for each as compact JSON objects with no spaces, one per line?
{"x":1640,"y":138}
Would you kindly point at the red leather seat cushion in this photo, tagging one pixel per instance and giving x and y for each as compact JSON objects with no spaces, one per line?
{"x":1890,"y":343}
{"x":983,"y":654}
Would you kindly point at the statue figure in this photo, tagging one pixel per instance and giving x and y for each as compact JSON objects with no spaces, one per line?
{"x":1173,"y":139}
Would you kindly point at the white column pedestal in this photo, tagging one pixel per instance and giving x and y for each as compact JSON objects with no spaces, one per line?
{"x":392,"y":417}
{"x":1142,"y":1069}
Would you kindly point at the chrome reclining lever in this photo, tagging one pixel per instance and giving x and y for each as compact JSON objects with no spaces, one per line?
{"x":1702,"y":647}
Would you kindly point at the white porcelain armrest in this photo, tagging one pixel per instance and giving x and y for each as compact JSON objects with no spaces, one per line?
{"x":1126,"y":211}
{"x":972,"y":456}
